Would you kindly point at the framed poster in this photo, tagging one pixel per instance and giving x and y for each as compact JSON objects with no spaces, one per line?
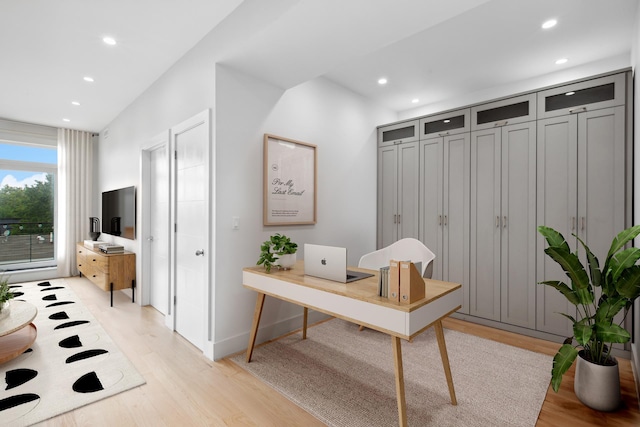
{"x":290,"y":181}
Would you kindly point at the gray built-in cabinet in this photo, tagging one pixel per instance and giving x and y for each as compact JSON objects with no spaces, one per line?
{"x":473,"y":185}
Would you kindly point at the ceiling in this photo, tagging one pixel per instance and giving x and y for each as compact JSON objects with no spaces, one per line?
{"x":431,"y":50}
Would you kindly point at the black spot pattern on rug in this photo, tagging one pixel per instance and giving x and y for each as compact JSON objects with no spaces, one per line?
{"x":17,"y":377}
{"x":88,"y":383}
{"x":85,"y":355}
{"x":20,"y":399}
{"x":50,"y":298}
{"x":51,"y":289}
{"x":17,"y":294}
{"x":44,"y":284}
{"x":61,"y":315}
{"x":56,"y":304}
{"x":71,"y":342}
{"x":71,"y":324}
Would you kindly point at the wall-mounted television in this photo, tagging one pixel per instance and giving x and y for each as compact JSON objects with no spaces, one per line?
{"x":119,"y":212}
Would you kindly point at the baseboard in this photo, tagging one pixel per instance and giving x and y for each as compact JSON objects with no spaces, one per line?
{"x":21,"y":276}
{"x":233,"y":345}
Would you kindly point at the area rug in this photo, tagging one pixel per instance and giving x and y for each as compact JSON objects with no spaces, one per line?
{"x":346,"y":378}
{"x":72,"y":363}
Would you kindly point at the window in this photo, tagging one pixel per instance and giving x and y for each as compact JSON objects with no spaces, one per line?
{"x":27,"y":205}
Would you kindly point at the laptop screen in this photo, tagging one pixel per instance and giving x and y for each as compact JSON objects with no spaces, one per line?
{"x":329,"y":262}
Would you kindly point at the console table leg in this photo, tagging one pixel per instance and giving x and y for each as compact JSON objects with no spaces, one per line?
{"x":256,"y":321}
{"x":445,"y":360}
{"x":402,"y":403}
{"x":304,"y":323}
{"x":133,"y":291}
{"x":111,"y":292}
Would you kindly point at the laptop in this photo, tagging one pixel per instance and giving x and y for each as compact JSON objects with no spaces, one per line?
{"x":329,"y":262}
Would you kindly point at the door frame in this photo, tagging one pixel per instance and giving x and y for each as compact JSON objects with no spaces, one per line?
{"x":201,"y":119}
{"x":161,"y":140}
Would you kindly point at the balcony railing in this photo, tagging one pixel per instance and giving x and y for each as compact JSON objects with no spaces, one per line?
{"x":24,"y":243}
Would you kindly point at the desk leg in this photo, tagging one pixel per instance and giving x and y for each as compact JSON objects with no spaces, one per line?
{"x":304,"y":323}
{"x":402,"y":403}
{"x":256,"y":321}
{"x":445,"y":360}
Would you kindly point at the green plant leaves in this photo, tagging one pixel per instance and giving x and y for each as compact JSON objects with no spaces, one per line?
{"x":564,"y":289}
{"x":562,"y":361}
{"x":553,"y":237}
{"x":623,"y":260}
{"x":622,"y":238}
{"x":611,"y":333}
{"x":628,"y":284}
{"x":570,"y":264}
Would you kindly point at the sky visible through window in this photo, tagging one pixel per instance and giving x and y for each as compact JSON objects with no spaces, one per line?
{"x":16,"y":178}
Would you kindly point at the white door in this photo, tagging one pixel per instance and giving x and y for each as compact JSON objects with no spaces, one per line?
{"x":191,"y":233}
{"x":158,"y":236}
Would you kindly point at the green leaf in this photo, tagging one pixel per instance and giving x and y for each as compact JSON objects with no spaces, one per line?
{"x":594,"y":266}
{"x":562,"y":361}
{"x":608,"y":308}
{"x":611,"y":333}
{"x":582,"y":331}
{"x":622,"y":238}
{"x":623,"y":260}
{"x":564,"y":289}
{"x":628,"y":284}
{"x":571,"y":266}
{"x":553,"y":237}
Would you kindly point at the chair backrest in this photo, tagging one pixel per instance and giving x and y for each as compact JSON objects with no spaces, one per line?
{"x":404,"y":249}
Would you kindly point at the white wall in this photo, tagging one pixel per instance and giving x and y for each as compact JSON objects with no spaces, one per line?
{"x":343,"y":127}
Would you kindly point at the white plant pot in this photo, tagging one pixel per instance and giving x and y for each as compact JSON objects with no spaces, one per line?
{"x":597,"y":386}
{"x":286,"y":261}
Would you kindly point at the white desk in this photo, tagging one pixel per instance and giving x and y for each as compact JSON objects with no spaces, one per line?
{"x":359,"y":303}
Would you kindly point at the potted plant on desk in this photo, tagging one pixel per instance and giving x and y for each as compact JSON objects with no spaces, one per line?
{"x":5,"y":292}
{"x":597,"y":380}
{"x":279,"y":250}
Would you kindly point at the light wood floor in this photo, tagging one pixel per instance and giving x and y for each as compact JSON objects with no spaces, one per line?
{"x":185,"y":389}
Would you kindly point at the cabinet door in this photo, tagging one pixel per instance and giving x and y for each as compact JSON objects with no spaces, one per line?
{"x":484,"y":276}
{"x":387,"y":196}
{"x":556,"y":208}
{"x":408,"y":176}
{"x":455,"y":222}
{"x":518,"y":222}
{"x":431,"y":166}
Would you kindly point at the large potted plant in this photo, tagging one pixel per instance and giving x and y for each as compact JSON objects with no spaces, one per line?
{"x":599,"y":294}
{"x":279,"y":250}
{"x":5,"y":292}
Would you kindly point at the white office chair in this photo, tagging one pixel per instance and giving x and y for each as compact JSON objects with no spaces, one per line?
{"x":408,"y":249}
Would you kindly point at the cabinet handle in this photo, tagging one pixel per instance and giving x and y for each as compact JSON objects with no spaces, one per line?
{"x":498,"y":124}
{"x":497,"y":222}
{"x":584,"y":223}
{"x":578,"y":110}
{"x":504,"y":224}
{"x":573,"y":223}
{"x":443,"y":134}
{"x":395,"y":218}
{"x":445,"y":220}
{"x":439,"y":219}
{"x":399,"y":216}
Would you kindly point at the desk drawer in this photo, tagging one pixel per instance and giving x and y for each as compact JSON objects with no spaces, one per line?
{"x":98,"y":262}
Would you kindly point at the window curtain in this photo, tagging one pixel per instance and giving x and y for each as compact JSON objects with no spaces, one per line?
{"x":75,"y":185}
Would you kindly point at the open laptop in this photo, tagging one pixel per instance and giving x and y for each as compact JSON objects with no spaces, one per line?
{"x":329,"y":262}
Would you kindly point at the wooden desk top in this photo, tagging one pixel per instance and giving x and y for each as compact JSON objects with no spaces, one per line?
{"x":363,"y":289}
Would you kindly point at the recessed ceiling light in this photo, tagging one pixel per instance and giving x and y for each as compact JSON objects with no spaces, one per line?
{"x":109,"y":40}
{"x":88,"y":79}
{"x":382,"y":81}
{"x":549,"y":24}
{"x":447,"y":121}
{"x":66,"y":120}
{"x":561,"y":61}
{"x":415,"y":100}
{"x":570,"y":93}
{"x":75,"y":103}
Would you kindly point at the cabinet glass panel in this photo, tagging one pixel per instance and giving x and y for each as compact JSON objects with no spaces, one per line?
{"x":580,"y":97}
{"x":443,"y":125}
{"x":503,"y":113}
{"x":400,"y":133}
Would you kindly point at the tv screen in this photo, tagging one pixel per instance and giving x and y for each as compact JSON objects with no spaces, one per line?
{"x":119,"y":212}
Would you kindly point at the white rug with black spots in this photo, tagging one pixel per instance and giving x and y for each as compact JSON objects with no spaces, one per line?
{"x":72,"y":362}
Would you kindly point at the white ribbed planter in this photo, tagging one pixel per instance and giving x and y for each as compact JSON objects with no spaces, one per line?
{"x":286,"y":261}
{"x":597,"y":386}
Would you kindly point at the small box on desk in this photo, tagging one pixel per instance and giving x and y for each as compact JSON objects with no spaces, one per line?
{"x":92,"y":244}
{"x":411,"y":283}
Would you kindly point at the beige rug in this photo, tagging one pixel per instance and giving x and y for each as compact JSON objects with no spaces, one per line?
{"x":346,"y":378}
{"x":72,"y":363}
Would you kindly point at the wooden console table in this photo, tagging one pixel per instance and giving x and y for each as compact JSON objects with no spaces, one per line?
{"x":17,"y":333}
{"x":359,"y":303}
{"x":110,"y":272}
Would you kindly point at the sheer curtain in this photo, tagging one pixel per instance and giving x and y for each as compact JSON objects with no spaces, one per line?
{"x":75,"y":185}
